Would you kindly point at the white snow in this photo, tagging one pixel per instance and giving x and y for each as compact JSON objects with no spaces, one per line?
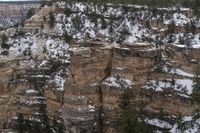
{"x":158,"y":123}
{"x":57,"y":49}
{"x":182,"y":86}
{"x":22,"y":44}
{"x":91,"y":108}
{"x":31,"y":91}
{"x":59,"y":82}
{"x":80,"y":50}
{"x":121,"y":82}
{"x":188,"y":125}
{"x":178,"y":18}
{"x":177,"y":71}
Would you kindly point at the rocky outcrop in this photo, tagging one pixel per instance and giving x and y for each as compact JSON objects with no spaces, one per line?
{"x":84,"y":91}
{"x":89,"y":102}
{"x":88,"y":73}
{"x":12,"y":13}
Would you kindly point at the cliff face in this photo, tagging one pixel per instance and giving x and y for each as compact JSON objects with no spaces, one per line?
{"x":78,"y":86}
{"x":89,"y":101}
{"x":101,"y":67}
{"x":12,"y":97}
{"x":12,"y":13}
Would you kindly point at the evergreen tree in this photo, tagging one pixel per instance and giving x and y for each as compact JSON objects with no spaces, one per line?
{"x":124,"y":33}
{"x":4,"y":40}
{"x":111,"y":25}
{"x":77,"y":22}
{"x":20,"y":123}
{"x":67,"y":37}
{"x":30,"y":13}
{"x":67,"y":12}
{"x":171,"y":28}
{"x":35,"y":127}
{"x":51,"y":19}
{"x":43,"y":3}
{"x":59,"y":126}
{"x":196,"y":7}
{"x":193,"y":27}
{"x":128,"y":116}
{"x":105,"y":8}
{"x":196,"y":86}
{"x":181,"y":39}
{"x":103,"y":23}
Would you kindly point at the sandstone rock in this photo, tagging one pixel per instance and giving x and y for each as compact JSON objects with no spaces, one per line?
{"x":85,"y":52}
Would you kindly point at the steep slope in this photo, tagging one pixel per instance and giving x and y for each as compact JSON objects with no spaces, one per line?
{"x":69,"y":76}
{"x":12,"y":13}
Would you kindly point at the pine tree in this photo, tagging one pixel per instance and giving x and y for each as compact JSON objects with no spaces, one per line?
{"x":20,"y":122}
{"x":103,"y":23}
{"x":128,"y":119}
{"x":30,"y":13}
{"x":77,"y":22}
{"x":127,"y":116}
{"x":171,"y":27}
{"x":196,"y":86}
{"x":4,"y":40}
{"x":124,"y":33}
{"x":58,"y":125}
{"x":193,"y":27}
{"x":67,"y":37}
{"x":51,"y":19}
{"x":196,"y":7}
{"x":67,"y":12}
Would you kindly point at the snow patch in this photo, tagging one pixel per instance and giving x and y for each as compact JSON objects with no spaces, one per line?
{"x":118,"y":82}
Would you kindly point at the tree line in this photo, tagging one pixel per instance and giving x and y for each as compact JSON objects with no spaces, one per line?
{"x":151,"y":3}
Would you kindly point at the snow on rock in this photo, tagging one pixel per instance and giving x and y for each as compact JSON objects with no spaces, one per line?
{"x":31,"y":91}
{"x":31,"y":45}
{"x":82,"y":23}
{"x":180,"y":19}
{"x":118,"y":82}
{"x":177,"y":71}
{"x":43,"y":63}
{"x":186,"y":125}
{"x":183,"y":87}
{"x":193,"y":41}
{"x":32,"y":101}
{"x":23,"y":46}
{"x":158,"y":123}
{"x":55,"y":49}
{"x":60,"y":4}
{"x":91,"y":108}
{"x":59,"y":82}
{"x":80,"y":50}
{"x":135,"y":33}
{"x":90,"y":20}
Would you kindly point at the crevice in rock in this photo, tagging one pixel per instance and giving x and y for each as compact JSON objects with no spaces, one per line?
{"x":107,"y":72}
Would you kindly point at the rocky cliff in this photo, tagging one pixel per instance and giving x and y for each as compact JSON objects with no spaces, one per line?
{"x":12,"y":13}
{"x":51,"y":82}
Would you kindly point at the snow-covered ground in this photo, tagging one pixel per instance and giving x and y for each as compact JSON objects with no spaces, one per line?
{"x":118,"y":82}
{"x":47,"y":49}
{"x":185,"y":124}
{"x":182,"y":87}
{"x":113,"y":23}
{"x":177,"y":72}
{"x":109,"y":24}
{"x":158,"y":123}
